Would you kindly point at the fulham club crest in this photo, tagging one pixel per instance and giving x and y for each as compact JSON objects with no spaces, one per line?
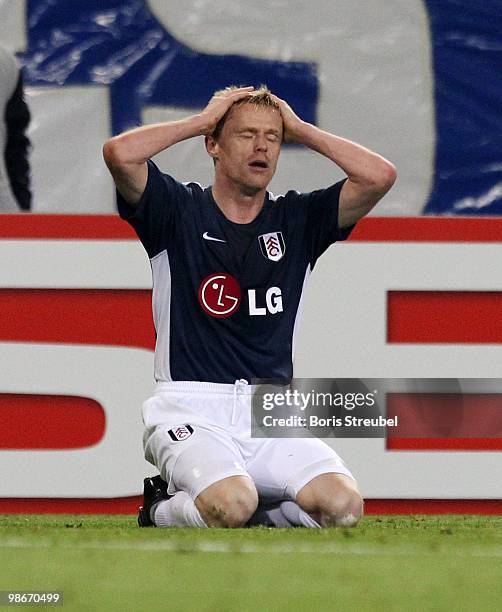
{"x":182,"y":432}
{"x":272,"y":246}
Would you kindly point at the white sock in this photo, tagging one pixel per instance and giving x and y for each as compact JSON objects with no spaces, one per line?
{"x":297,"y":516}
{"x":269,"y":516}
{"x":178,"y":511}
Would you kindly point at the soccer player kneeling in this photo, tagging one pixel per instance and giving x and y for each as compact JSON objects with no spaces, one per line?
{"x":230,"y":265}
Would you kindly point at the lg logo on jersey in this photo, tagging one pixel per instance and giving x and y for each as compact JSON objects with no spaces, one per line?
{"x":220,"y":296}
{"x":273,"y":302}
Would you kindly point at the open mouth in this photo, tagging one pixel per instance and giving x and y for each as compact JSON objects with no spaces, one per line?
{"x":259,"y":164}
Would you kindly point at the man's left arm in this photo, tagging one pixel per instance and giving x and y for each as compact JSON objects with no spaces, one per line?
{"x":370,"y":175}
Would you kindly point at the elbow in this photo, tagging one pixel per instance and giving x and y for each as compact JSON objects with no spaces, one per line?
{"x":380,"y":179}
{"x":117,"y":152}
{"x":120,"y":153}
{"x":387,"y":176}
{"x":112,"y":153}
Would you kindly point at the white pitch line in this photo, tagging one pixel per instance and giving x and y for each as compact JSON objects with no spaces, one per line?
{"x":226,"y":548}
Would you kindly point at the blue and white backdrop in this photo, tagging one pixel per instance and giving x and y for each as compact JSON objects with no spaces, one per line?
{"x":418,"y":81}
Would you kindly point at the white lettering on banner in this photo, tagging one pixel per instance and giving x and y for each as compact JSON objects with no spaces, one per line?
{"x":68,"y":264}
{"x":345,"y":319}
{"x":114,"y":467}
{"x":119,"y":378}
{"x":343,"y":335}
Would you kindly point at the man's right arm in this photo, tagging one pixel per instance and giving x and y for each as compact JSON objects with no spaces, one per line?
{"x":126,"y":154}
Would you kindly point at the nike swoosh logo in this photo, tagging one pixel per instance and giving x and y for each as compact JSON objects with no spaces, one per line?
{"x":206,"y":236}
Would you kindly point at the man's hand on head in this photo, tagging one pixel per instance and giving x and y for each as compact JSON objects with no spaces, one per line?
{"x":369,"y":175}
{"x":292,"y":123}
{"x":219,"y":105}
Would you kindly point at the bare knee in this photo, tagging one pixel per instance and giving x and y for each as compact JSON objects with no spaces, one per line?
{"x":333,"y":500}
{"x":346,"y":511}
{"x":228,"y":503}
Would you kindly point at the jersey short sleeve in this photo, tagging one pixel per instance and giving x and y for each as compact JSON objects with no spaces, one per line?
{"x":154,"y":216}
{"x":322,"y":220}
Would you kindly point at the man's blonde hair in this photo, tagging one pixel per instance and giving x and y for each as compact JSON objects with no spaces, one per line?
{"x":258,"y":97}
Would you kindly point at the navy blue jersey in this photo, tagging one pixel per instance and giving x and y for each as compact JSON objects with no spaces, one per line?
{"x":226,"y":296}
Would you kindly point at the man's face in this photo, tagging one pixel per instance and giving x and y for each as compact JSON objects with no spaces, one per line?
{"x":248,"y":147}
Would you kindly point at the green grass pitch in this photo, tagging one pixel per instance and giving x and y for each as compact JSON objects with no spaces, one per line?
{"x":386,"y":563}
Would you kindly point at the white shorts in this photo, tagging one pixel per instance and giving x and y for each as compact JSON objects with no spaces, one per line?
{"x":199,"y":433}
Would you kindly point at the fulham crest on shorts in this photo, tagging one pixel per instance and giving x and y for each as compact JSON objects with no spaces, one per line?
{"x":272,"y":245}
{"x":180,"y":433}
